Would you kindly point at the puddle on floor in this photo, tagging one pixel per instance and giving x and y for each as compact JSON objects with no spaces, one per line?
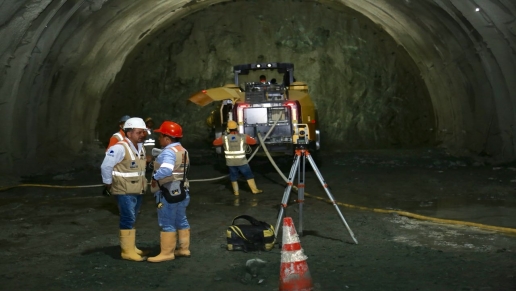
{"x":230,"y":201}
{"x":490,"y":212}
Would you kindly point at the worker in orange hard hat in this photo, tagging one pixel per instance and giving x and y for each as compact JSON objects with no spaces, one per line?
{"x":235,"y":145}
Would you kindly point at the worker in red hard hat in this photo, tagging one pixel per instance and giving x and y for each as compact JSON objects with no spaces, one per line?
{"x":170,"y":187}
{"x":235,"y":145}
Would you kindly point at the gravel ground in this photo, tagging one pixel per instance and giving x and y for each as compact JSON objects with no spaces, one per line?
{"x":67,"y":239}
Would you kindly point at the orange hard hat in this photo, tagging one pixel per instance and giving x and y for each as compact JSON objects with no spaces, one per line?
{"x":170,"y":128}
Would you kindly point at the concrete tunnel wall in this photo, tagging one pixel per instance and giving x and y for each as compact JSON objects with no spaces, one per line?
{"x":61,"y":57}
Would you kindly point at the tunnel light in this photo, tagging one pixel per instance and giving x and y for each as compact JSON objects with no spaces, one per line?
{"x":258,"y":65}
{"x":477,"y":9}
{"x":269,"y":65}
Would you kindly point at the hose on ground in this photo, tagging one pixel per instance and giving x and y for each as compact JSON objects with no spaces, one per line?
{"x":262,"y":144}
{"x":50,"y":186}
{"x":390,"y":211}
{"x":421,"y":217}
{"x":101,"y":185}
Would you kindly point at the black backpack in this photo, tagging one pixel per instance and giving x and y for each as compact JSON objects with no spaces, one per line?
{"x":257,"y":236}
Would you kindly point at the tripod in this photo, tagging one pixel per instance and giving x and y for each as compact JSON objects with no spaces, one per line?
{"x":301,"y":154}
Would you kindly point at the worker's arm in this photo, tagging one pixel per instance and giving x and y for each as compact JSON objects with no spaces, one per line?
{"x":167,"y":159}
{"x":218,"y":141}
{"x":249,"y":140}
{"x":114,"y":155}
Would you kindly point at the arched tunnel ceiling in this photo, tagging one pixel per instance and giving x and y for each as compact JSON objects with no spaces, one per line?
{"x":380,"y":103}
{"x":62,"y":58}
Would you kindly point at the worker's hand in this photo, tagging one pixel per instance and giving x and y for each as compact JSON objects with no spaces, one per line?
{"x":153,"y":183}
{"x":107,"y":190}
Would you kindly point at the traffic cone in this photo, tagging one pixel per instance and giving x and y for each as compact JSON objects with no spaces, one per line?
{"x":294,"y":273}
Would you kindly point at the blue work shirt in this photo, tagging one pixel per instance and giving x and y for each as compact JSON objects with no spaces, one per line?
{"x":167,"y":159}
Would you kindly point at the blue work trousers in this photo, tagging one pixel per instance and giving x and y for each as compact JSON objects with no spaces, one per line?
{"x":172,"y":216}
{"x":128,"y":205}
{"x":235,"y":170}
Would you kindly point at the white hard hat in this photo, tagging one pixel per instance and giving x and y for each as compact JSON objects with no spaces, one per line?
{"x":135,"y":122}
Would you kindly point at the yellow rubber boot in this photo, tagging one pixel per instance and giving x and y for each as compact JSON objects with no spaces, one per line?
{"x":168,"y":245}
{"x":142,"y":253}
{"x":184,"y":243}
{"x":253,"y":187}
{"x":128,"y":246}
{"x":235,"y":188}
{"x":138,"y":251}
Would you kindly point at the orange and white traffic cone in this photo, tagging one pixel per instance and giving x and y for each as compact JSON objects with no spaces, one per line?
{"x":294,"y":273}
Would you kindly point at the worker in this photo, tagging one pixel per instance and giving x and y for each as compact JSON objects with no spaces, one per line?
{"x":263,"y":79}
{"x":149,"y":143}
{"x":123,"y":175}
{"x":118,"y":136}
{"x":235,"y":145}
{"x":170,"y":185}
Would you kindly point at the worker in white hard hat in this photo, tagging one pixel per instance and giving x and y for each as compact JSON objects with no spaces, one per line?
{"x":123,"y":174}
{"x":119,"y":135}
{"x":235,"y":144}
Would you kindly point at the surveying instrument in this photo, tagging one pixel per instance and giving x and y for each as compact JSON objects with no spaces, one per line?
{"x":300,"y":140}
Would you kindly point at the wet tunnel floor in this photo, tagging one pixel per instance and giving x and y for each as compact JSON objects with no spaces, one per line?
{"x":61,"y":239}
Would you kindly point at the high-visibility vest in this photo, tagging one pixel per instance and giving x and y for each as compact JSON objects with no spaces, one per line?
{"x":118,"y":136}
{"x":149,"y":143}
{"x":234,"y":149}
{"x":179,"y":168}
{"x":129,"y":174}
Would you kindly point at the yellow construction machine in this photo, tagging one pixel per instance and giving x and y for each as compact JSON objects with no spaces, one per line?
{"x":264,"y":106}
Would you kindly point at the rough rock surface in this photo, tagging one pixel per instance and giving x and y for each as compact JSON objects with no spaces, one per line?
{"x":367,"y":89}
{"x":63,"y":60}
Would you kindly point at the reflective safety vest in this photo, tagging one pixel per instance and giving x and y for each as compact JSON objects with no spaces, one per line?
{"x":149,"y":143}
{"x":234,"y":149}
{"x":178,"y":169}
{"x":129,"y":174}
{"x":118,"y":136}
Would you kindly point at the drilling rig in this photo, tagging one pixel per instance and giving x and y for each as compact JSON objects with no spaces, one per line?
{"x":272,"y":108}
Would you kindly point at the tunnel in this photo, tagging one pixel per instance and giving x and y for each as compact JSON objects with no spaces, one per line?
{"x":383,"y":74}
{"x":415,"y":105}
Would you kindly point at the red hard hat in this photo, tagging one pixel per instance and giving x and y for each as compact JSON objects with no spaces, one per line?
{"x":170,"y":128}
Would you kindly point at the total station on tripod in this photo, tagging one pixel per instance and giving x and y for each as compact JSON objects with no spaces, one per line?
{"x":301,"y":134}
